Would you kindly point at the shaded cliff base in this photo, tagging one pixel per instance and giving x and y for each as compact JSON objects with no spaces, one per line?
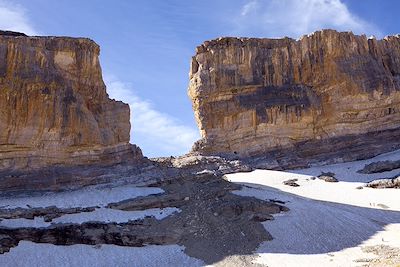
{"x":315,"y":152}
{"x":81,"y":168}
{"x":133,"y":170}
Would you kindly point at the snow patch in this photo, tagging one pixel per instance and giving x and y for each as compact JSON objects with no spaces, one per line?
{"x":88,"y":197}
{"x":323,"y":233}
{"x":348,"y":171}
{"x":32,"y":254}
{"x":328,"y":223}
{"x":99,"y":215}
{"x":340,"y":192}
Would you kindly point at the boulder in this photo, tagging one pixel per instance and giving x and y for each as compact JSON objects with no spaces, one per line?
{"x":385,"y":183}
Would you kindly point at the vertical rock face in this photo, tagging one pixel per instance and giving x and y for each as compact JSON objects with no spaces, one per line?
{"x":252,"y":96}
{"x":54,"y":109}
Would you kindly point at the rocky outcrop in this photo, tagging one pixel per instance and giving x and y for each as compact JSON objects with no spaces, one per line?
{"x":325,"y":92}
{"x":385,"y":183}
{"x":54,"y":108}
{"x":380,"y":166}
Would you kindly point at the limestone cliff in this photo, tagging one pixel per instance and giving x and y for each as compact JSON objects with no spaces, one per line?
{"x":54,"y":109}
{"x":252,"y":96}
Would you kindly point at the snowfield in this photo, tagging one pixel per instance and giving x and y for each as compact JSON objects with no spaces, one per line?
{"x":328,"y":223}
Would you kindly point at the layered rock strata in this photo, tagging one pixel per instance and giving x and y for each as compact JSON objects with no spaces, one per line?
{"x":54,"y":108}
{"x":255,"y":97}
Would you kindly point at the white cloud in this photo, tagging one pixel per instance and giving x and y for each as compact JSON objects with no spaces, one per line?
{"x":14,"y":18}
{"x":157,"y":133}
{"x":293,"y":18}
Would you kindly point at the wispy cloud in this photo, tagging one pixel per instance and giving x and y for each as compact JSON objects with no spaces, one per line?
{"x":157,"y":133}
{"x":14,"y":18}
{"x":293,"y":18}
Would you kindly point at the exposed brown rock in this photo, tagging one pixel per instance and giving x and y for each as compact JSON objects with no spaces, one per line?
{"x":54,"y":108}
{"x":291,"y":182}
{"x":319,"y":94}
{"x":328,"y":177}
{"x":385,"y":183}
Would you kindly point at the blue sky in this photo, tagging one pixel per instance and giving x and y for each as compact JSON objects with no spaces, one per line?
{"x":146,"y":46}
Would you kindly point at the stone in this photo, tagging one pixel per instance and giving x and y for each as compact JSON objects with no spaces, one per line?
{"x":385,"y":183}
{"x":329,"y":96}
{"x":328,"y":177}
{"x":54,"y":108}
{"x":291,"y":182}
{"x":259,"y":217}
{"x":380,"y":166}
